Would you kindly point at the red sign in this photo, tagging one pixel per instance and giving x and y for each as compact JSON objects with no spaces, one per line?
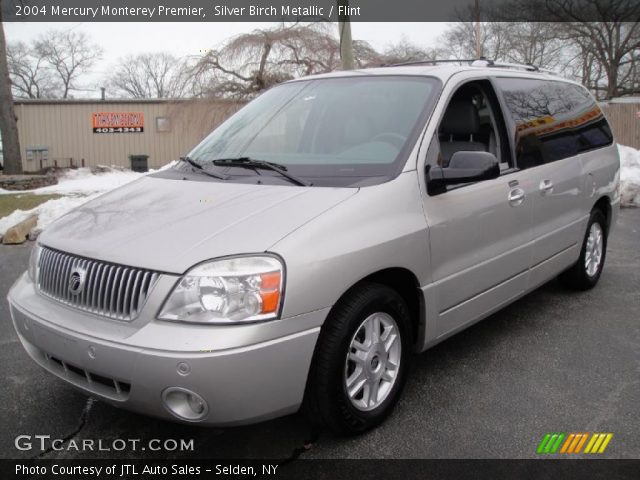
{"x":118,"y":122}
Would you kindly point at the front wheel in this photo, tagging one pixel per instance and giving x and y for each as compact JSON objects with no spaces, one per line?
{"x":587,"y":270}
{"x":361,"y":360}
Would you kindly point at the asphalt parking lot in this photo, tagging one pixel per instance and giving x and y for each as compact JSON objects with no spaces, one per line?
{"x":555,"y":361}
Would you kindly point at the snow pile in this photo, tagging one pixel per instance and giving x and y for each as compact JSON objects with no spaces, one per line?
{"x":85,"y":181}
{"x":629,"y":176}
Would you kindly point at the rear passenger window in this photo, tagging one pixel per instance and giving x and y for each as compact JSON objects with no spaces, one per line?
{"x":553,"y":120}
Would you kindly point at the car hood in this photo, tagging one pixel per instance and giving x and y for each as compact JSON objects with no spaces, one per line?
{"x":170,"y":225}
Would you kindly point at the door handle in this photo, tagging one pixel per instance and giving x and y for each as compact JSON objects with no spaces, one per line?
{"x":546,"y":186}
{"x":516,"y":197}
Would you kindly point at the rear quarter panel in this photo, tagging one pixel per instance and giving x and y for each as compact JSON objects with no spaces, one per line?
{"x":601,"y":174}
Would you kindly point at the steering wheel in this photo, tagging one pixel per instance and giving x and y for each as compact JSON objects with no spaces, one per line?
{"x":394,"y":139}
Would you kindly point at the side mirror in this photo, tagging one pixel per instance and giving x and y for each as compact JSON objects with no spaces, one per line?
{"x":464,"y":167}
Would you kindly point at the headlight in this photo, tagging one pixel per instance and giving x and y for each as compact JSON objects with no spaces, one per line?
{"x":34,"y":259}
{"x":231,"y":290}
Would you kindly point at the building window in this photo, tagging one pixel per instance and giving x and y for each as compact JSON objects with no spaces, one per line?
{"x":163,"y":124}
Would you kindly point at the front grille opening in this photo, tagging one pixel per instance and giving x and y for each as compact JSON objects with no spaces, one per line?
{"x":76,"y":370}
{"x":125,"y":387}
{"x":89,"y":380}
{"x":111,"y":383}
{"x":107,"y":289}
{"x":59,"y":362}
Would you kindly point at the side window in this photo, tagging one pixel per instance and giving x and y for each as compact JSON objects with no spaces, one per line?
{"x":471,"y":122}
{"x":552,"y":120}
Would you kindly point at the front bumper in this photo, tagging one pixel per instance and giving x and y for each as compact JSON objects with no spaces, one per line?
{"x":245,"y":373}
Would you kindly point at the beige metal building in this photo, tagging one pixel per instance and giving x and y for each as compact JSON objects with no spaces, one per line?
{"x":109,"y":132}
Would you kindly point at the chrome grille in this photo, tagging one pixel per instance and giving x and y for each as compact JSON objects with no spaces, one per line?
{"x":111,"y":290}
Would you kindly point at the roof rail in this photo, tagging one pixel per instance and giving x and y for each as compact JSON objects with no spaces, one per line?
{"x":430,"y":62}
{"x":519,"y":66}
{"x":523,"y":66}
{"x":475,"y":62}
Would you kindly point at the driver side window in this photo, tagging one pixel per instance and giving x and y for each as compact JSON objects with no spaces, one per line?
{"x":473,"y":122}
{"x":471,"y":142}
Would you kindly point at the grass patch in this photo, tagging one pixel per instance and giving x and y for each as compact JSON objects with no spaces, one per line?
{"x":22,"y":201}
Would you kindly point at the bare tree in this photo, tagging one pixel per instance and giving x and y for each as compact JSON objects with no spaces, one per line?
{"x":252,"y":62}
{"x":405,"y":51}
{"x":463,"y":40}
{"x":304,"y":50}
{"x":240,"y":67}
{"x":365,"y":55}
{"x":150,"y":75}
{"x":556,"y":46}
{"x":30,"y":74}
{"x":8,"y":122}
{"x":534,"y":43}
{"x":506,"y":37}
{"x":611,"y":52}
{"x":606,"y":35}
{"x":70,"y":54}
{"x":493,"y":40}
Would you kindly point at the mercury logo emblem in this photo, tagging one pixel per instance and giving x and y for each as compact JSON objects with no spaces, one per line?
{"x":76,"y":280}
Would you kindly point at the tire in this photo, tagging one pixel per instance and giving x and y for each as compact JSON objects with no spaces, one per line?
{"x":581,"y":276}
{"x":353,"y":322}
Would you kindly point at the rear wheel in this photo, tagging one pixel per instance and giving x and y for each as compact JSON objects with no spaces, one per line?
{"x":587,"y":270}
{"x":361,"y":360}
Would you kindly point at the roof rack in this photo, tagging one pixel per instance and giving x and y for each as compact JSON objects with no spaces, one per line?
{"x":521,"y":66}
{"x":476,"y":62}
{"x":430,"y":62}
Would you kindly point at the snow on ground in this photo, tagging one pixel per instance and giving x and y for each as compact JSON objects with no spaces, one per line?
{"x":629,"y":176}
{"x":78,"y":187}
{"x":83,"y":181}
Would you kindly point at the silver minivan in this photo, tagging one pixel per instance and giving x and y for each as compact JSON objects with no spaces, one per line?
{"x":330,"y":229}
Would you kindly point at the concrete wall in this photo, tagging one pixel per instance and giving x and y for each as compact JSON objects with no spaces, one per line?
{"x":65,"y":130}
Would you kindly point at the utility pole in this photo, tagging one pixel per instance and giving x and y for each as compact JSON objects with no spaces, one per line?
{"x":479,"y":52}
{"x":12,"y":162}
{"x":346,"y":43}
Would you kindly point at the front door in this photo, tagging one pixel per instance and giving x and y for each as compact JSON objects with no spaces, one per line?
{"x":480,"y":232}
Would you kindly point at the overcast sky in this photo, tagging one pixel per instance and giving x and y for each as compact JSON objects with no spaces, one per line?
{"x":120,"y":39}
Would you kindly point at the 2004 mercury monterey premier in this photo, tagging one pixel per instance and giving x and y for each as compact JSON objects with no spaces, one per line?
{"x":318,"y":238}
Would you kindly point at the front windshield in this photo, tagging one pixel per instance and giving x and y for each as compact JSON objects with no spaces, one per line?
{"x":336,"y":131}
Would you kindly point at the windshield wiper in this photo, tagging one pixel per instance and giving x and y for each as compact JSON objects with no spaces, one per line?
{"x":199,"y":167}
{"x":246,"y":162}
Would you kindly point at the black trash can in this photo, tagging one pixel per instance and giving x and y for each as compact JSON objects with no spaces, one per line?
{"x":139,"y":163}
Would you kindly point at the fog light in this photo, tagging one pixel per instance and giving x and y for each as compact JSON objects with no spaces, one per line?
{"x":185,"y":404}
